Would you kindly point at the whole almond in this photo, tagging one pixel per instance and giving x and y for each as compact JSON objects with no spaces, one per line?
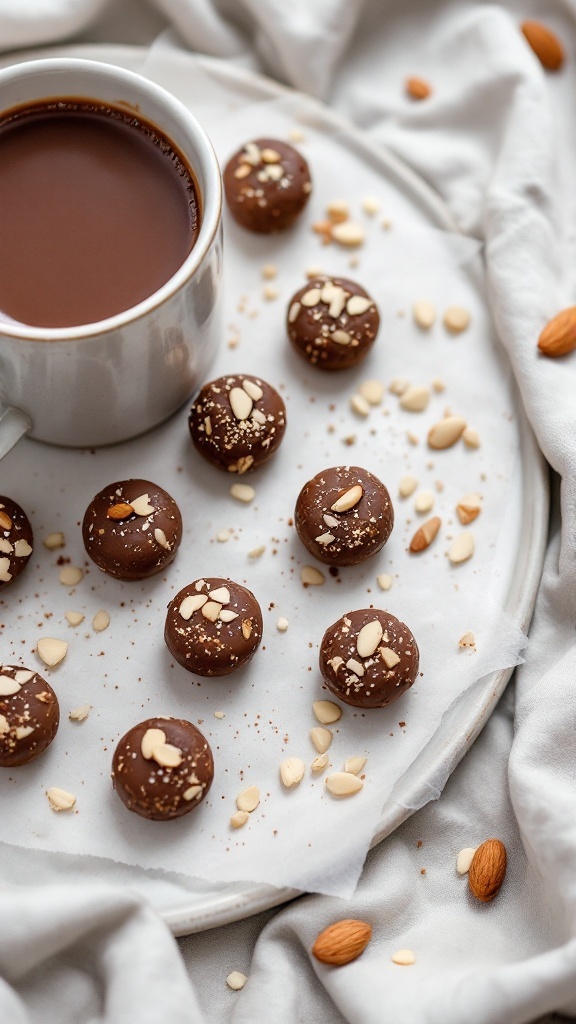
{"x":559,"y":335}
{"x":545,"y":44}
{"x":120,"y":511}
{"x":417,"y":88}
{"x":487,"y":870}
{"x":342,"y":942}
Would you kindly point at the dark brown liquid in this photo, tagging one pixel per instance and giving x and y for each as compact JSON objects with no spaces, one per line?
{"x":97,"y":211}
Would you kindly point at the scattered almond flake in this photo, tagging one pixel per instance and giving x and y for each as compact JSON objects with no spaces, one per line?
{"x":471,"y":438}
{"x":325,"y":538}
{"x":311,"y":577}
{"x":368,"y":638}
{"x":415,"y":398}
{"x":338,"y":211}
{"x":456,"y":319}
{"x":404,"y":957}
{"x":384,"y":581}
{"x":239,"y":818}
{"x":248,"y":799}
{"x":438,"y":385}
{"x":142,"y":506}
{"x":22,"y":549}
{"x":354,"y":765}
{"x":311,"y":272}
{"x":74,"y":618}
{"x":80,"y":714}
{"x":467,"y":640}
{"x":372,"y":391}
{"x":270,"y":293}
{"x":343,"y":784}
{"x":60,"y":800}
{"x":326,"y":711}
{"x":348,"y":233}
{"x":51,"y":651}
{"x":407,"y":486}
{"x":243,"y":492}
{"x":70,"y":575}
{"x":389,"y":657}
{"x":469,"y":508}
{"x":218,"y":714}
{"x":296,"y":135}
{"x":464,"y":860}
{"x":320,"y":763}
{"x":348,"y":499}
{"x":425,"y":535}
{"x":269,"y":271}
{"x":411,"y":438}
{"x":321,"y":738}
{"x":424,"y":314}
{"x":398,"y":386}
{"x":370,"y":205}
{"x":359,"y":405}
{"x":292,"y":771}
{"x":282,"y":624}
{"x":223,"y":536}
{"x":424,"y":501}
{"x":54,"y":540}
{"x":446,"y":432}
{"x":6,"y":547}
{"x":236,"y":980}
{"x":462,"y":548}
{"x":211,"y":610}
{"x":101,"y":621}
{"x":257,"y":552}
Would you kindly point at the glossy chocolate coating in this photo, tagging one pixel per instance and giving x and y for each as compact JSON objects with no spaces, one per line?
{"x":136,"y":546}
{"x":213,"y":648}
{"x":237,"y":441}
{"x":323,"y":327}
{"x":267,"y":185}
{"x":349,"y":536}
{"x":373,"y":681}
{"x":29,"y":717}
{"x":16,"y":540}
{"x":150,"y":788}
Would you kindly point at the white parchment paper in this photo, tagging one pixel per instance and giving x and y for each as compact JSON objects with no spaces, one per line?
{"x":302,"y":838}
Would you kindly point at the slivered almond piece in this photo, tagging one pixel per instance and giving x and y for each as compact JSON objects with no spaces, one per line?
{"x":293,"y":312}
{"x":252,"y":389}
{"x":191,"y":604}
{"x":142,"y":506}
{"x":221,"y":594}
{"x":311,"y":577}
{"x":239,"y":818}
{"x":545,"y":44}
{"x":101,"y":621}
{"x":240,"y":403}
{"x":243,"y":492}
{"x":368,"y":638}
{"x":446,"y":432}
{"x":5,"y":576}
{"x":462,"y":548}
{"x":60,"y":800}
{"x":404,"y":957}
{"x":22,"y":548}
{"x":359,"y":405}
{"x":80,"y":714}
{"x":248,"y":799}
{"x":415,"y":398}
{"x":227,"y":615}
{"x":343,"y":784}
{"x":389,"y":657}
{"x":292,"y":771}
{"x":321,"y":738}
{"x":53,"y":541}
{"x":120,"y":511}
{"x":320,"y":763}
{"x":464,"y":860}
{"x":24,"y":675}
{"x":326,"y":711}
{"x":51,"y":651}
{"x":384,"y":581}
{"x":152,"y":738}
{"x":425,"y":535}
{"x":311,"y":298}
{"x":8,"y":686}
{"x":354,"y":765}
{"x":348,"y":233}
{"x":348,"y":499}
{"x":161,"y":539}
{"x":70,"y":575}
{"x":468,"y":508}
{"x":424,"y":314}
{"x":325,"y":538}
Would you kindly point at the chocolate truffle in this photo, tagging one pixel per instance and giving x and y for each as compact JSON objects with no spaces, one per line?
{"x":267,"y":185}
{"x":344,"y":515}
{"x":237,"y":422}
{"x":213,"y":626}
{"x":162,"y":768}
{"x":368,"y":658}
{"x":16,"y":540}
{"x":132,"y":529}
{"x":332,"y":322}
{"x":29,"y":715}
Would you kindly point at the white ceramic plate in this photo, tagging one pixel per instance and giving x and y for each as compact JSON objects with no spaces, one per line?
{"x":194,"y":907}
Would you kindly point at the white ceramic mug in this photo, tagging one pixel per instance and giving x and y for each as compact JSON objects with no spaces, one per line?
{"x":105,"y":382}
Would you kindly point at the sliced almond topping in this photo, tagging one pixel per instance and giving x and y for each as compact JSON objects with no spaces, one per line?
{"x":372,"y":391}
{"x":325,"y":538}
{"x":384,"y":581}
{"x":4,"y":725}
{"x":245,"y":462}
{"x":343,"y":784}
{"x":53,"y":541}
{"x":236,"y":980}
{"x":407,"y":486}
{"x":471,"y":438}
{"x":161,"y":539}
{"x":404,"y":957}
{"x":348,"y":499}
{"x":8,"y":686}
{"x":331,"y":521}
{"x":320,"y":763}
{"x":467,"y":640}
{"x":222,"y":595}
{"x":142,"y":506}
{"x":398,"y":386}
{"x":424,"y":501}
{"x":70,"y":575}
{"x":311,"y":298}
{"x":44,"y":697}
{"x":468,"y":508}
{"x":446,"y":432}
{"x":292,"y":771}
{"x":6,"y":546}
{"x":354,"y":765}
{"x":321,"y":738}
{"x":191,"y":604}
{"x":358,"y":304}
{"x":5,"y":521}
{"x":456,"y":319}
{"x":240,"y":403}
{"x":227,"y":615}
{"x":101,"y":621}
{"x":341,"y":337}
{"x":211,"y":610}
{"x":368,"y":638}
{"x":270,"y":156}
{"x":354,"y":666}
{"x":334,"y":297}
{"x":415,"y":398}
{"x":5,"y":575}
{"x":248,"y":799}
{"x":247,"y":627}
{"x":151,"y":739}
{"x":389,"y":657}
{"x":51,"y":651}
{"x":22,"y":731}
{"x":243,"y":492}
{"x":239,"y":818}
{"x":208,"y":426}
{"x":252,"y":389}
{"x":462,"y":549}
{"x":24,"y":675}
{"x":251,"y":154}
{"x":193,"y":792}
{"x":22,"y":549}
{"x":311,"y":577}
{"x":80,"y":714}
{"x":167,"y":755}
{"x":60,"y":800}
{"x":359,"y":405}
{"x":242,"y":171}
{"x":425,"y":535}
{"x":120,"y":511}
{"x":282,"y":624}
{"x":326,"y":711}
{"x":424,"y":314}
{"x":348,"y":233}
{"x":464,"y":860}
{"x":293,"y":312}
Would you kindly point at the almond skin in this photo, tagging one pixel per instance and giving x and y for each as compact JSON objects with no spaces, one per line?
{"x":487,"y":870}
{"x":559,"y":335}
{"x":120,"y":511}
{"x":545,"y":44}
{"x":342,"y":942}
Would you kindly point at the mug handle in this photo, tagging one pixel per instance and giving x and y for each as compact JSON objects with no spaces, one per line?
{"x":13,"y":425}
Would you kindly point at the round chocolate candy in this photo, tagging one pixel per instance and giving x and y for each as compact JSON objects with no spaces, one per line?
{"x":162,"y":768}
{"x":267,"y":185}
{"x":213,"y":626}
{"x":132,"y":529}
{"x":344,"y":515}
{"x":237,"y":422}
{"x":29,"y":715}
{"x":16,"y":540}
{"x":368,"y":658}
{"x":332,"y":323}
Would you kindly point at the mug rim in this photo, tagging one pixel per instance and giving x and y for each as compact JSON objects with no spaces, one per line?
{"x":211,"y":205}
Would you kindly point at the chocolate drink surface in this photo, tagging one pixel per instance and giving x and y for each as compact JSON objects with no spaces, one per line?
{"x":97,"y":211}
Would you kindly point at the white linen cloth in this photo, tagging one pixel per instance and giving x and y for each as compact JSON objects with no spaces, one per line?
{"x":497,"y":139}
